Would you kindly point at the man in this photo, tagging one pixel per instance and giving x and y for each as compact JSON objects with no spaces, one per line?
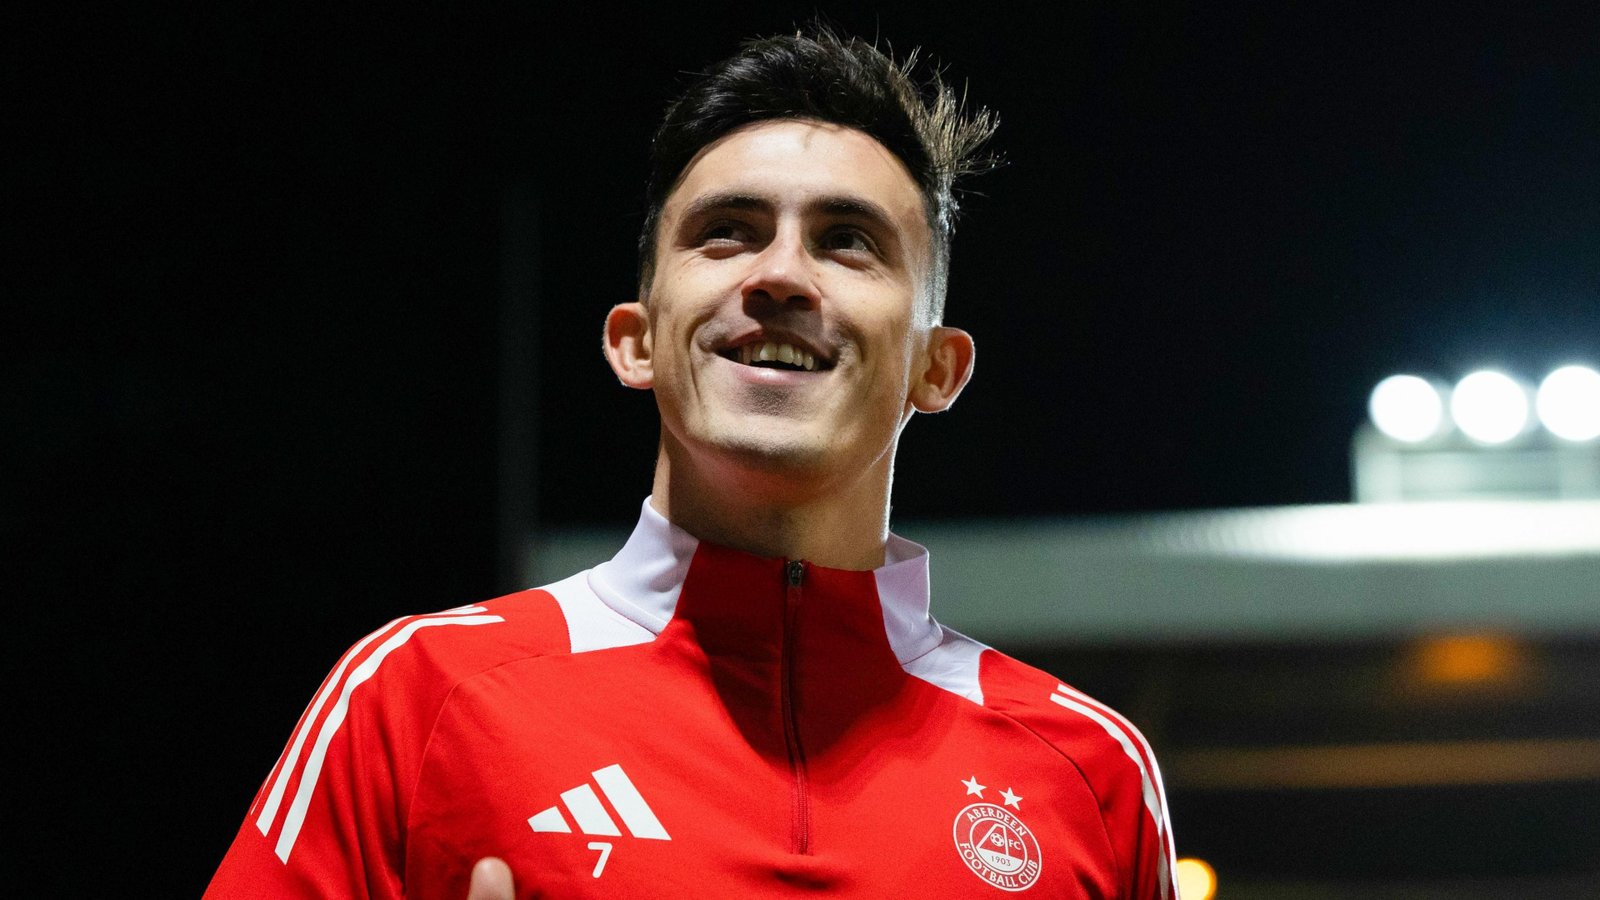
{"x":751,"y":698}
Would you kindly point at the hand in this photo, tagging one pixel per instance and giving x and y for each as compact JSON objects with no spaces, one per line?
{"x":491,"y":880}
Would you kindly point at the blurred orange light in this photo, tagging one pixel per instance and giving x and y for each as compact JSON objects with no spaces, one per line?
{"x":1462,"y":659}
{"x":1196,"y":879}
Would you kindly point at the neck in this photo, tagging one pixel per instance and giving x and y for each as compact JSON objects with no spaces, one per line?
{"x":840,"y":522}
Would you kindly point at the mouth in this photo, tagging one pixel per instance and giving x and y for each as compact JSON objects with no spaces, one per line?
{"x":782,"y":355}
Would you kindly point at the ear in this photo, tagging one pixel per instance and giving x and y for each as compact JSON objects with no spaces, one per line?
{"x":949,"y":365}
{"x":627,"y":345}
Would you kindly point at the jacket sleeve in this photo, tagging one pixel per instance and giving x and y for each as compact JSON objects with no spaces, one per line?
{"x":1132,"y":800}
{"x":1151,"y":850}
{"x":329,"y":821}
{"x":326,"y":821}
{"x":1116,"y":767}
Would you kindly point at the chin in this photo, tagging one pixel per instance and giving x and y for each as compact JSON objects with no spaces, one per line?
{"x":764,"y":453}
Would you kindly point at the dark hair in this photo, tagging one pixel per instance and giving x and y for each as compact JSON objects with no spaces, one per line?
{"x":845,"y":81}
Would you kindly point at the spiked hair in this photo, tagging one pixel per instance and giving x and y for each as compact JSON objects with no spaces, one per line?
{"x":846,"y":81}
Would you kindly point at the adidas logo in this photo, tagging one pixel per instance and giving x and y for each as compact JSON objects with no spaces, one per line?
{"x":586,"y":810}
{"x":583,"y":804}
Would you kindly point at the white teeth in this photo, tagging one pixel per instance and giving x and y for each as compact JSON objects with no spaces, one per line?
{"x":772,"y":351}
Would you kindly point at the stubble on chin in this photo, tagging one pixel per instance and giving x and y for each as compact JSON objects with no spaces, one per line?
{"x":772,"y":452}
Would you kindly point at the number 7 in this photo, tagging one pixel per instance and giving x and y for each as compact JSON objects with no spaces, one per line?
{"x":605,"y":854}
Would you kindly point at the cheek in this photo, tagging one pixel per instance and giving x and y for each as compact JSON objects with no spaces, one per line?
{"x":670,"y":334}
{"x":889,"y":378}
{"x":672,"y":370}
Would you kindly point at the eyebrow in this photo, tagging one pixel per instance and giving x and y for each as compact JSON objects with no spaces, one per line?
{"x":837,"y":205}
{"x":718,"y":202}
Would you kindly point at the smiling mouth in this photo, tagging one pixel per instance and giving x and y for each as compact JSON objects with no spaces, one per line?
{"x":775,"y":355}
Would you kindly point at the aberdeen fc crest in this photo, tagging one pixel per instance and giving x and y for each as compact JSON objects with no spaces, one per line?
{"x":995,"y":843}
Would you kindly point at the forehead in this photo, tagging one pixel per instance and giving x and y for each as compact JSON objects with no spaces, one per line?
{"x":802,"y":162}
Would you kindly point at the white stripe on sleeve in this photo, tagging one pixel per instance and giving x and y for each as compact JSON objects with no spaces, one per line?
{"x":296,"y":816}
{"x":269,"y":810}
{"x":1154,"y":802}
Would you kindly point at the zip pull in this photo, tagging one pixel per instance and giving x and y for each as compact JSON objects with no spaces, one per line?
{"x":797,"y":571}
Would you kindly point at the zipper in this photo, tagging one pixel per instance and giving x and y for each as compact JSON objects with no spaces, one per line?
{"x":795,"y":574}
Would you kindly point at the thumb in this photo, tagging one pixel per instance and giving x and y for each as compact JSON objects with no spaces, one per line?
{"x":491,"y":880}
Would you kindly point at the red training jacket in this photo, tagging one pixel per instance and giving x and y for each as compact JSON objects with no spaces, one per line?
{"x":687,"y":720}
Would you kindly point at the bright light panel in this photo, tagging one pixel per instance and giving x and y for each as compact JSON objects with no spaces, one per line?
{"x":1490,"y":407}
{"x":1569,"y":403}
{"x":1406,"y":408}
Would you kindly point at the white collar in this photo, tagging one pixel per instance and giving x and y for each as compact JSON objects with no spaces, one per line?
{"x":643,"y":580}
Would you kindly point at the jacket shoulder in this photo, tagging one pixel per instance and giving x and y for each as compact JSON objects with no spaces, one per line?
{"x":1114,"y":758}
{"x":1096,"y":737}
{"x":329,"y":819}
{"x":517,"y":625}
{"x":556,"y":619}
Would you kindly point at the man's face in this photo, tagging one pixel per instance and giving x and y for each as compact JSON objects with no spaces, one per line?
{"x":782,"y":317}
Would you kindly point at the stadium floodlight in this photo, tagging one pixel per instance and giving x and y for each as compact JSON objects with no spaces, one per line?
{"x":1406,"y":408}
{"x":1489,"y":407}
{"x":1569,"y":403}
{"x":1196,"y":879}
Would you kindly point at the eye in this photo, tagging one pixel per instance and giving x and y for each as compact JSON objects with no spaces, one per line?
{"x":850,"y":240}
{"x":725,"y":232}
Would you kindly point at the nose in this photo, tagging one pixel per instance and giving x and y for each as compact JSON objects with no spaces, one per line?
{"x":782,"y":274}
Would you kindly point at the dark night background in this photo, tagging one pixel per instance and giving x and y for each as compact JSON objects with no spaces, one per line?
{"x":255,"y":272}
